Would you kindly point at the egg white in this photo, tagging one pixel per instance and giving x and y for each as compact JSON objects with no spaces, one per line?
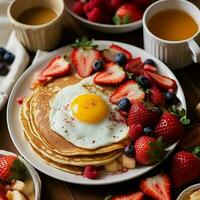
{"x":89,"y":136}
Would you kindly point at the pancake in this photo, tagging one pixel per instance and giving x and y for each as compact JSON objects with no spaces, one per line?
{"x":39,"y":110}
{"x":67,"y":168}
{"x":96,"y":160}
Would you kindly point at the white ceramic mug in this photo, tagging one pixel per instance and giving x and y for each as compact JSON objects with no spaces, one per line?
{"x":33,"y":37}
{"x":176,"y":54}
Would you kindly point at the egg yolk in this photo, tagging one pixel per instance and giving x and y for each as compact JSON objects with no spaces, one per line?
{"x":89,"y":108}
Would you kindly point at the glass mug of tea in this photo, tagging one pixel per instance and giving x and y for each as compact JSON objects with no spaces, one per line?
{"x":171,"y":31}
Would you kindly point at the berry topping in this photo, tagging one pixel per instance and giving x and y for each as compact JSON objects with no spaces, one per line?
{"x":156,"y":96}
{"x":135,"y":131}
{"x":95,"y":15}
{"x":157,"y":187}
{"x":149,"y":62}
{"x":148,"y":131}
{"x":143,"y":81}
{"x":148,"y":150}
{"x":143,"y":114}
{"x":113,"y":74}
{"x":132,"y":196}
{"x":98,"y":65}
{"x":185,"y":168}
{"x":162,"y":81}
{"x":2,"y":52}
{"x":150,"y":68}
{"x":110,"y":53}
{"x":130,"y":89}
{"x":169,"y":127}
{"x":4,"y":69}
{"x":127,"y":13}
{"x":120,"y":58}
{"x":11,"y":168}
{"x":129,"y":150}
{"x":124,"y":104}
{"x":20,"y":100}
{"x":171,"y":98}
{"x":134,"y":66}
{"x":83,"y":55}
{"x":8,"y":58}
{"x":90,"y":172}
{"x":56,"y":68}
{"x":78,"y":8}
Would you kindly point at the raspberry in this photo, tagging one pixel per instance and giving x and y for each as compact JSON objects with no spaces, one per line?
{"x":95,"y":15}
{"x":78,"y":8}
{"x":20,"y":100}
{"x":90,"y":172}
{"x":87,"y":8}
{"x":96,"y":3}
{"x":116,"y":3}
{"x":135,"y":131}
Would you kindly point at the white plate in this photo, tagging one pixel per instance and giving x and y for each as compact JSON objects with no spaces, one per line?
{"x":106,"y":28}
{"x":15,"y":128}
{"x":34,"y":175}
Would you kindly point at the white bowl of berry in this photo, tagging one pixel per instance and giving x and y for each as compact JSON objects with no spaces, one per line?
{"x":18,"y":180}
{"x":108,"y":16}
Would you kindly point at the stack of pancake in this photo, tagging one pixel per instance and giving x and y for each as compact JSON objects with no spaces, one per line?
{"x":50,"y":146}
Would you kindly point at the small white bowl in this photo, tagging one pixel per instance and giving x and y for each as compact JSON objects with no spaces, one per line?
{"x":106,"y":28}
{"x":34,"y":175}
{"x":188,"y":190}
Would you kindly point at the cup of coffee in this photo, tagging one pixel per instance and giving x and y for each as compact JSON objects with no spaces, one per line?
{"x":171,"y":31}
{"x":37,"y":23}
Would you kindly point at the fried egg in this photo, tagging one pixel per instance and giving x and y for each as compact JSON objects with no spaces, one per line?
{"x":84,"y":116}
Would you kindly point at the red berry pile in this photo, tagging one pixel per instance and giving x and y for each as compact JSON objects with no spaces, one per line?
{"x":111,"y":11}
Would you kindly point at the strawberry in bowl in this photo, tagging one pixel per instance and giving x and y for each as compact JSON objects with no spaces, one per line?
{"x":18,"y":180}
{"x":111,"y":16}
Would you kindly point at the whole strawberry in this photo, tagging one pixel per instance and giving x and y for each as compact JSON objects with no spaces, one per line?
{"x":185,"y":168}
{"x":169,"y":127}
{"x":142,"y":114}
{"x":127,"y":13}
{"x":148,"y":150}
{"x":11,"y":168}
{"x":156,"y":96}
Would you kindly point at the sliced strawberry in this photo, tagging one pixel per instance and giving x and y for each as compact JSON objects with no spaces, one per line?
{"x":82,"y":59}
{"x":56,"y":68}
{"x":157,"y":187}
{"x":162,"y":81}
{"x":134,"y":65}
{"x":110,"y":53}
{"x":149,"y":67}
{"x":132,"y":196}
{"x":130,"y":89}
{"x":113,"y":74}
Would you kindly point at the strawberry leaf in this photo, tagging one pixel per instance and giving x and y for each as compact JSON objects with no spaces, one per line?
{"x":182,"y":114}
{"x":19,"y":170}
{"x":84,"y":43}
{"x":109,"y":197}
{"x":116,"y":20}
{"x":126,"y":19}
{"x":196,"y":151}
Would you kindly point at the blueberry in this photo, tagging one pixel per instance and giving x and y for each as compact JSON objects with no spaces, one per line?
{"x":148,"y":131}
{"x":171,"y":98}
{"x":124,"y":104}
{"x":129,"y":150}
{"x":143,"y":81}
{"x":8,"y":58}
{"x":150,"y":62}
{"x":98,"y":65}
{"x":158,"y":110}
{"x":1,"y":58}
{"x":3,"y":69}
{"x":120,"y":58}
{"x":2,"y":51}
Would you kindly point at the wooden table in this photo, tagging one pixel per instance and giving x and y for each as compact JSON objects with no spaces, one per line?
{"x":53,"y":189}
